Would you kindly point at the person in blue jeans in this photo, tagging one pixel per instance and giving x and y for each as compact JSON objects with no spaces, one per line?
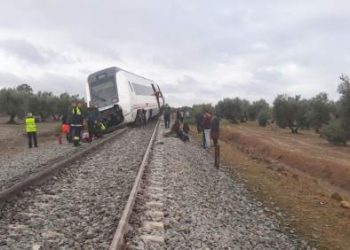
{"x":206,"y":125}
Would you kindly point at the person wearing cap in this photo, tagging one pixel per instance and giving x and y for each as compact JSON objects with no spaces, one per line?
{"x":31,"y":130}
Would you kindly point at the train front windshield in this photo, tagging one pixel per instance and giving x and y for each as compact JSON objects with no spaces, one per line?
{"x":104,"y":93}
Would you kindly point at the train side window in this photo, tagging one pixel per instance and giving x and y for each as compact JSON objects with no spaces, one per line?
{"x":142,"y":89}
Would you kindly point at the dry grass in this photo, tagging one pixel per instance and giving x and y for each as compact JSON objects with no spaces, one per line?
{"x":306,"y":152}
{"x":13,"y":137}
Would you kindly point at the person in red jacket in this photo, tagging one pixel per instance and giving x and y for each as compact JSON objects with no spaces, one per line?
{"x":206,"y":125}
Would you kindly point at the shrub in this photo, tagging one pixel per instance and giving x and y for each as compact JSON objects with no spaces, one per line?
{"x":336,"y":133}
{"x":263,"y":117}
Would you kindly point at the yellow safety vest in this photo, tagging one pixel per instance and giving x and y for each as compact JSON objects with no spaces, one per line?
{"x":103,"y":128}
{"x":76,"y":111}
{"x":30,"y":124}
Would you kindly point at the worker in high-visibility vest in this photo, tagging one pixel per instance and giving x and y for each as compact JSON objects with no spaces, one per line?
{"x":31,"y":130}
{"x":76,"y":123}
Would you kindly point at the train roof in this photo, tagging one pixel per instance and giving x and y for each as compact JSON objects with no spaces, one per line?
{"x":111,"y":70}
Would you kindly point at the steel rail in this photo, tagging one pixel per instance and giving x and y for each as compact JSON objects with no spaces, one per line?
{"x":44,"y":174}
{"x":119,"y":236}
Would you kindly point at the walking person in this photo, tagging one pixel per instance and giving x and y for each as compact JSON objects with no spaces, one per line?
{"x":76,"y":123}
{"x":215,"y":129}
{"x":167,"y":117}
{"x":31,"y":130}
{"x":206,"y":125}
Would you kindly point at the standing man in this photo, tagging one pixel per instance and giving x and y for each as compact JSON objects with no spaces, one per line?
{"x":187,"y":115}
{"x":93,"y":119}
{"x":179,"y":116}
{"x":76,"y":123}
{"x":206,"y":125}
{"x":199,"y":118}
{"x":215,"y":129}
{"x":167,"y":117}
{"x":31,"y":130}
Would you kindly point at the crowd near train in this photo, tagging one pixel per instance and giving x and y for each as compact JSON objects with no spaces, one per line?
{"x":114,"y":97}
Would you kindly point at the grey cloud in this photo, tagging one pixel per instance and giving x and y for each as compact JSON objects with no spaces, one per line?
{"x":32,"y":54}
{"x":9,"y":80}
{"x":23,"y":50}
{"x":47,"y":82}
{"x":187,"y":38}
{"x":59,"y":83}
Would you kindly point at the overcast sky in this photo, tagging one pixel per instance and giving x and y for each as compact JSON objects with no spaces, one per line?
{"x":198,"y":51}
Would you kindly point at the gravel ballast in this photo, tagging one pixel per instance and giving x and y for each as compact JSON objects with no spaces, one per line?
{"x":15,"y":167}
{"x":202,"y":207}
{"x":80,"y":207}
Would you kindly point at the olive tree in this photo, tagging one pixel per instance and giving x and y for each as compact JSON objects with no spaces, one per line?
{"x":12,"y":103}
{"x":319,"y":112}
{"x":344,"y":101}
{"x":255,"y":108}
{"x":290,"y":112}
{"x":234,"y":110}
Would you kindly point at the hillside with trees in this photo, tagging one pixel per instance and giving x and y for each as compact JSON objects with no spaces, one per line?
{"x":16,"y":102}
{"x":330,"y":119}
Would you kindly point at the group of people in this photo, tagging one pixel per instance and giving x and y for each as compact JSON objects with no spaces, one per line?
{"x":74,"y":122}
{"x":207,"y":123}
{"x":180,"y":127}
{"x":209,"y":126}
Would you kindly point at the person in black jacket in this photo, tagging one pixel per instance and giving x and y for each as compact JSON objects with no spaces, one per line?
{"x":215,"y":129}
{"x":199,"y":118}
{"x":167,"y":117}
{"x":186,"y":131}
{"x":93,"y":119}
{"x":76,"y":122}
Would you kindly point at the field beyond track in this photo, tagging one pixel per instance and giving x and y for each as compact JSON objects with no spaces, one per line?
{"x":295,"y":176}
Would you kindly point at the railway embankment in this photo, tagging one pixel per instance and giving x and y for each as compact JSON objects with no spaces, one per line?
{"x":305,"y":198}
{"x":80,"y":206}
{"x":187,"y":203}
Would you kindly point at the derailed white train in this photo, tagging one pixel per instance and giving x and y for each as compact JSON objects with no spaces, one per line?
{"x":123,"y":97}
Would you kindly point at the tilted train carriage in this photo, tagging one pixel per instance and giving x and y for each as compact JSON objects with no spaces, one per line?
{"x":124,"y":97}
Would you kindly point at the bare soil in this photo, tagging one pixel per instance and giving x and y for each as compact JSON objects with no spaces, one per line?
{"x":306,"y":152}
{"x":13,"y":137}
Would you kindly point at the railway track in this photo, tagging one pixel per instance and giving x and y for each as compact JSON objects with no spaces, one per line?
{"x":119,"y":236}
{"x":12,"y":189}
{"x":80,"y":205}
{"x":142,"y":191}
{"x":184,"y":202}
